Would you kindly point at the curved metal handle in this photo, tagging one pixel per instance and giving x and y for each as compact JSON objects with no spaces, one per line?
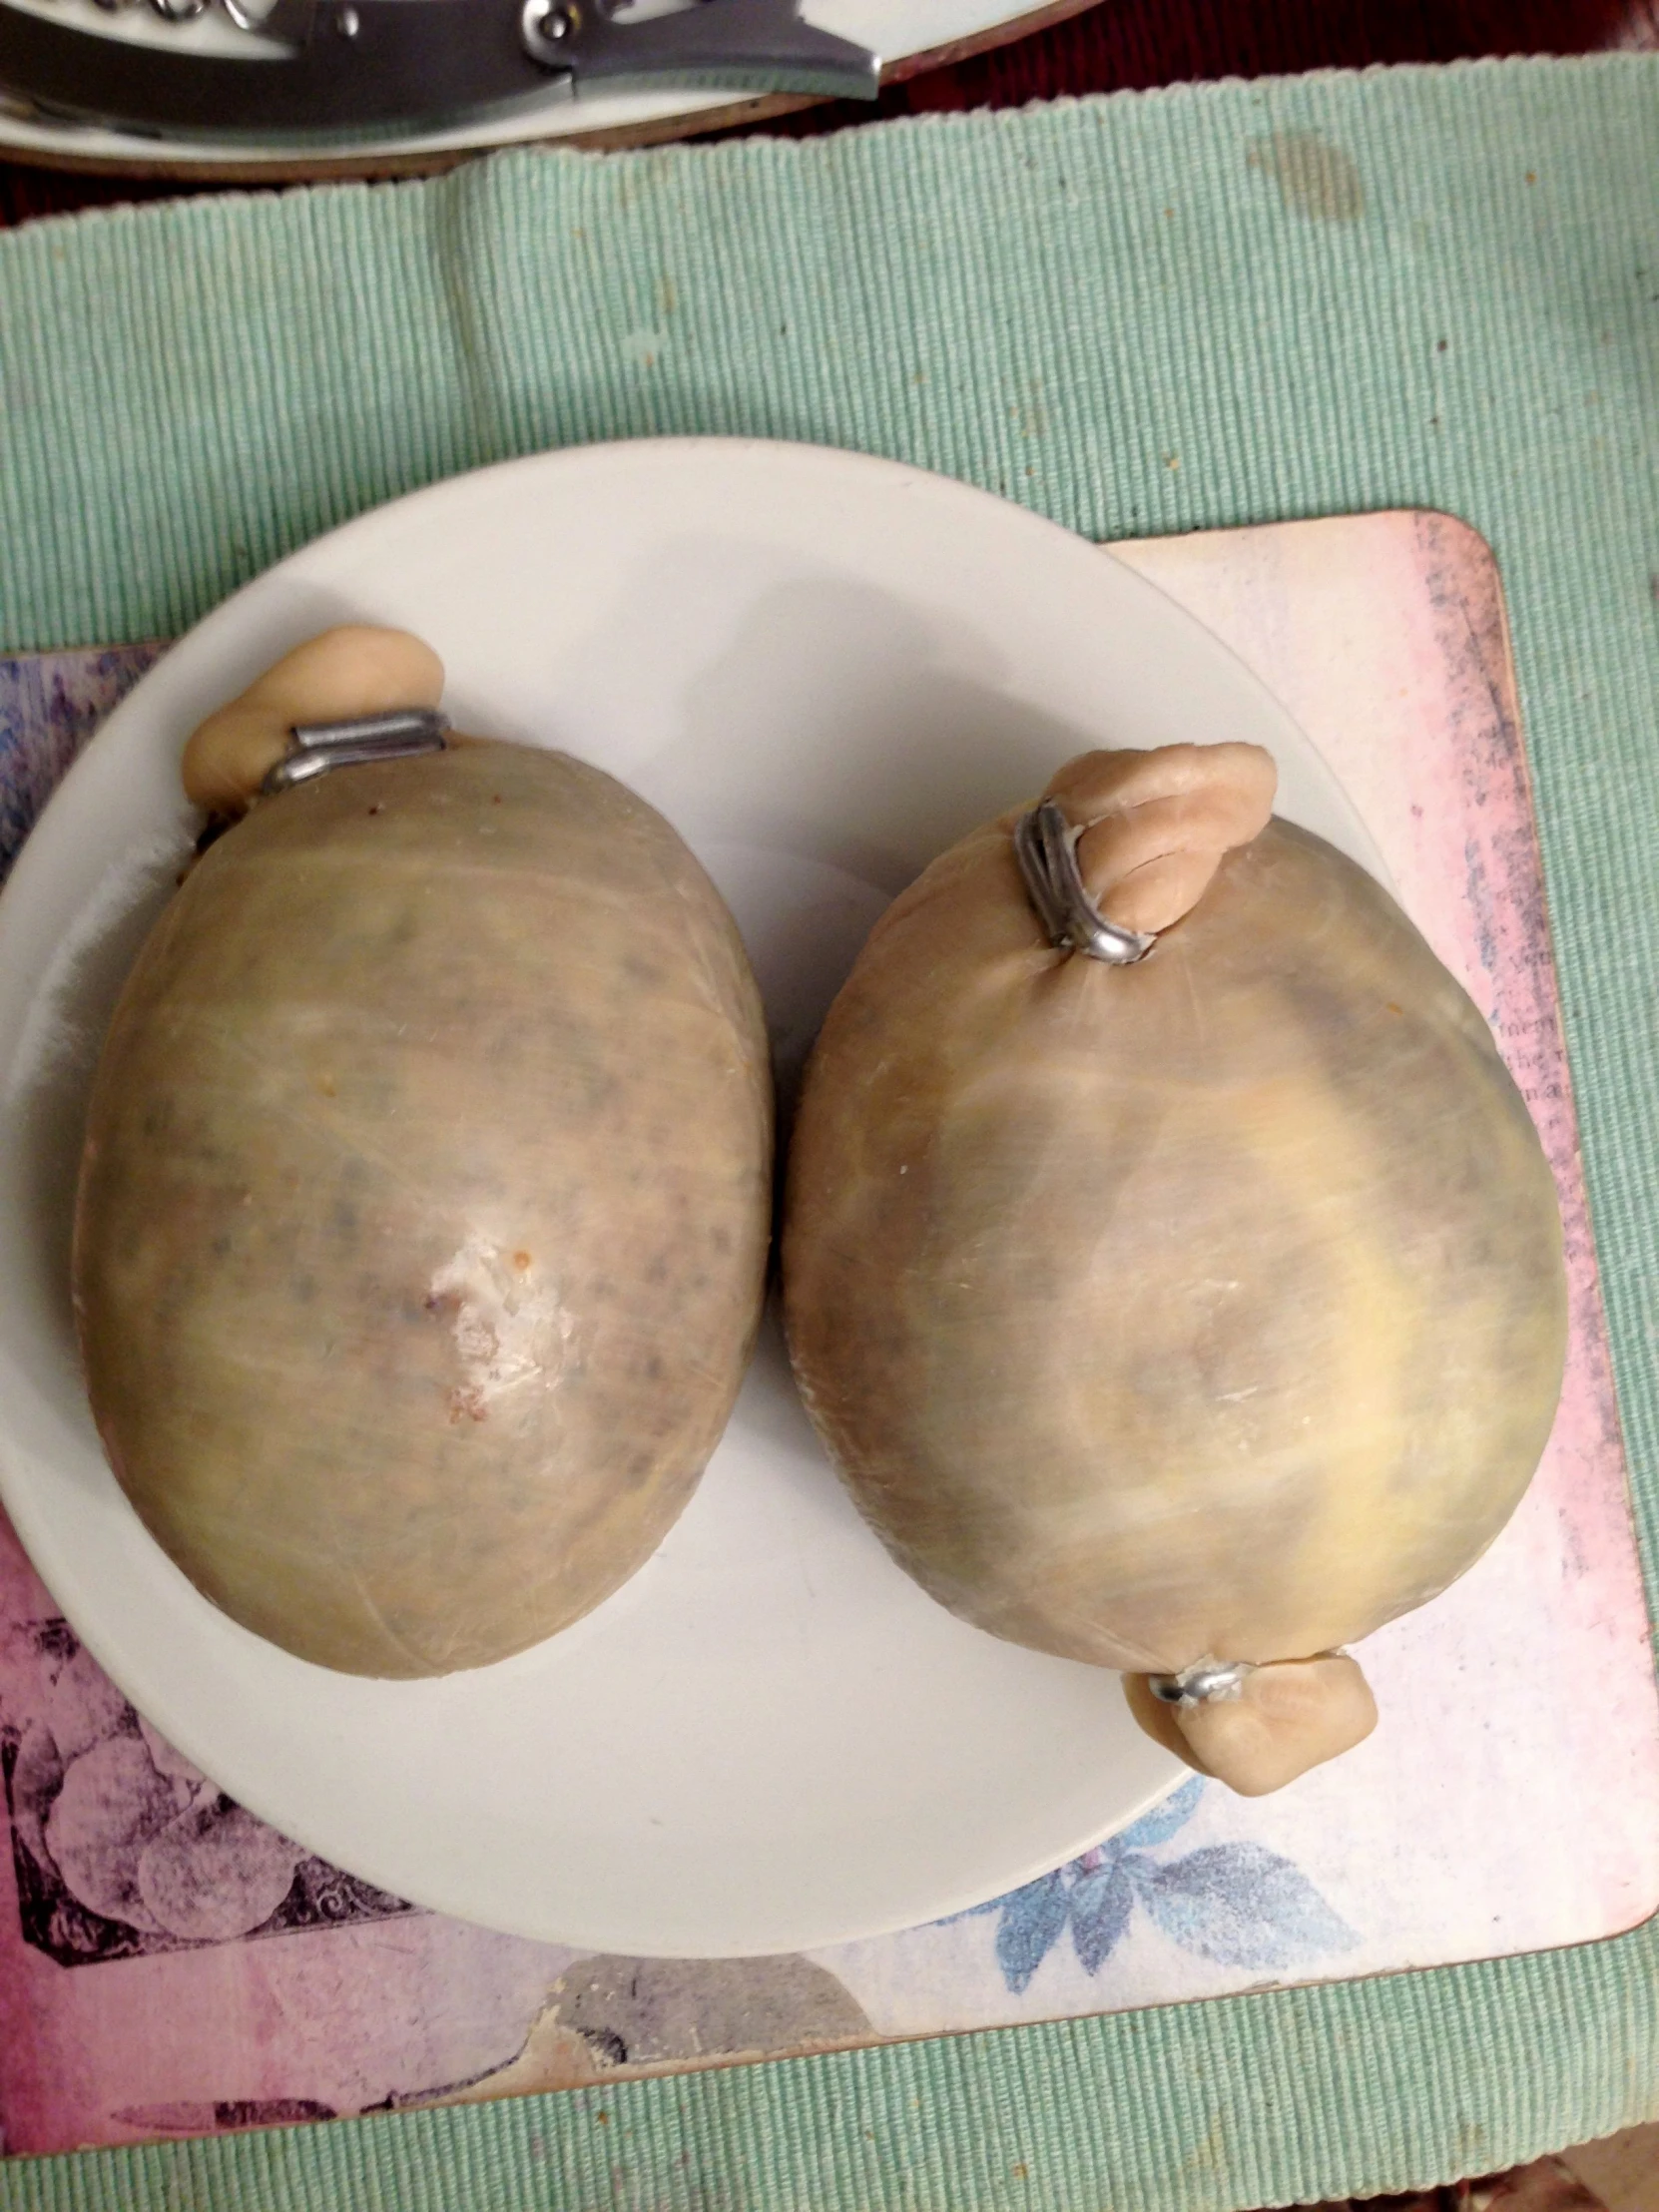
{"x":731,"y":40}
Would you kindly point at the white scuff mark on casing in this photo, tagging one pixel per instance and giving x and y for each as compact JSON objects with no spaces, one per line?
{"x":509,"y":1326}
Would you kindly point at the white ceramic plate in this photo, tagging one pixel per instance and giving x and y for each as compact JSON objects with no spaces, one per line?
{"x":906,"y":34}
{"x":823,"y":669}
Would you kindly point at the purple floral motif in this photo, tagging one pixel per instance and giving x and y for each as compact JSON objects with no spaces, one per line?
{"x":49,"y":704}
{"x":1235,"y":1902}
{"x":120,"y":1847}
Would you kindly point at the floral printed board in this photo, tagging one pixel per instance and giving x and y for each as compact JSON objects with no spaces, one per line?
{"x":168,"y":1965}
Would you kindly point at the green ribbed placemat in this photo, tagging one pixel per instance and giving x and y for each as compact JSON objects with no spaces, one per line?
{"x":1141,"y":313}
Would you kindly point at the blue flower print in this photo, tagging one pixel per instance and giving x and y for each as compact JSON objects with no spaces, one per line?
{"x":1238,"y":1903}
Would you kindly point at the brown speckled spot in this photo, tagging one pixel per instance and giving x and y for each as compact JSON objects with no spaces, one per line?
{"x":1314,"y":178}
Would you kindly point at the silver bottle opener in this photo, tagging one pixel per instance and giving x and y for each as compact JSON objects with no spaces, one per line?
{"x":321,"y":69}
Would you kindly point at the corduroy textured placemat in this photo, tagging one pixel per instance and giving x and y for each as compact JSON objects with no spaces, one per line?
{"x":1137,"y":314}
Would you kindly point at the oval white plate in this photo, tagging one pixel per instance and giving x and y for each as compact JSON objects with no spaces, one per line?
{"x":823,"y":669}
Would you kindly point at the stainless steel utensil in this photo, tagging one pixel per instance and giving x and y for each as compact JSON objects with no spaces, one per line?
{"x":332,"y":69}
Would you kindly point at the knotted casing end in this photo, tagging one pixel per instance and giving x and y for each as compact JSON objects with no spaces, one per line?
{"x":357,"y":674}
{"x":1257,"y":1728}
{"x":1123,"y":845}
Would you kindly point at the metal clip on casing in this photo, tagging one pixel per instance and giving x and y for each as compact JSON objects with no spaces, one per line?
{"x":317,"y":747}
{"x":1210,"y":1682}
{"x":1046,"y":846}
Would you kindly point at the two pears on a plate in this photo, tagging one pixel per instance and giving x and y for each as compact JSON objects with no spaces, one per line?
{"x":1190,"y":1312}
